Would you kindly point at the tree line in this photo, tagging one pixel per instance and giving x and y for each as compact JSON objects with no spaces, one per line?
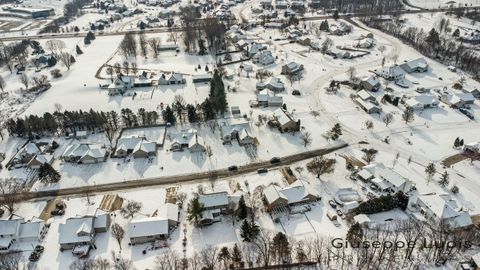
{"x":71,"y":121}
{"x":431,"y":44}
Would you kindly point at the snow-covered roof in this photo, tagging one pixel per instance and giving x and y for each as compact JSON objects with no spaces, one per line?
{"x":283,"y":117}
{"x":148,"y":227}
{"x":168,"y":211}
{"x":445,"y":208}
{"x":135,"y":144}
{"x":83,"y":150}
{"x":380,"y":171}
{"x":214,"y":199}
{"x":31,"y":229}
{"x":31,"y":149}
{"x":414,"y":64}
{"x":272,"y":193}
{"x":361,"y":219}
{"x":364,"y":95}
{"x":9,"y":227}
{"x":295,"y":192}
{"x":75,"y":230}
{"x":423,"y":100}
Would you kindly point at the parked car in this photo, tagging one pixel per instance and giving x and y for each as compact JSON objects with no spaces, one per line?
{"x":296,"y":93}
{"x":35,"y":255}
{"x":232,"y":168}
{"x":339,"y":213}
{"x":275,"y":160}
{"x":263,"y":170}
{"x":467,"y":113}
{"x":332,"y":203}
{"x":373,"y":187}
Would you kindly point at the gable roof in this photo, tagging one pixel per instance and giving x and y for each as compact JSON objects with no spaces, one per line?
{"x":214,"y":199}
{"x":148,"y":227}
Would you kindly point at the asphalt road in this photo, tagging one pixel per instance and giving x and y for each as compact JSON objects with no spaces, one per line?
{"x":180,"y":29}
{"x":155,"y":181}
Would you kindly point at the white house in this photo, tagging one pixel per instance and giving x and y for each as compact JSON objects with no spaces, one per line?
{"x":299,"y":192}
{"x":441,"y":208}
{"x":16,"y":229}
{"x":148,"y":229}
{"x":137,"y":146}
{"x":457,"y":100}
{"x":85,"y":153}
{"x":264,"y":99}
{"x":237,"y":130}
{"x":171,"y":78}
{"x":263,"y":58}
{"x":384,"y":178}
{"x":392,"y":73}
{"x":187,"y":139}
{"x":416,"y":65}
{"x":422,"y":102}
{"x":370,"y":83}
{"x":214,"y":205}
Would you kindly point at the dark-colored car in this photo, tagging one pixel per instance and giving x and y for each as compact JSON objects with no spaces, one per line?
{"x":275,"y":160}
{"x":332,"y":203}
{"x":339,"y":213}
{"x":467,"y":113}
{"x":232,"y":168}
{"x":296,"y":93}
{"x":263,"y":170}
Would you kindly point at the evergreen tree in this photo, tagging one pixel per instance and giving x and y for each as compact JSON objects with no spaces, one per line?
{"x":79,"y":51}
{"x":281,"y":247}
{"x":444,"y":179}
{"x":194,"y":210}
{"x":456,"y":33}
{"x":236,"y":255}
{"x":52,"y":61}
{"x":335,"y":15}
{"x":192,"y":113}
{"x":168,"y":115}
{"x":456,"y":144}
{"x":242,"y":208}
{"x":202,"y":50}
{"x":90,"y":35}
{"x":336,"y":132}
{"x":47,"y":174}
{"x":430,"y":170}
{"x":355,"y":233}
{"x":86,"y":40}
{"x":249,"y":231}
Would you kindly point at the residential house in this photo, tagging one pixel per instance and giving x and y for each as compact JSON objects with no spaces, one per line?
{"x":367,"y":106}
{"x":281,"y":4}
{"x":26,"y":153}
{"x":304,"y":40}
{"x":365,"y":43}
{"x":81,"y":134}
{"x":457,"y":100}
{"x":101,"y":221}
{"x":151,"y":229}
{"x":266,"y":4}
{"x":441,"y":209}
{"x":365,"y":96}
{"x":38,"y":160}
{"x":214,"y":205}
{"x":284,"y":121}
{"x":384,"y":178}
{"x":291,"y":68}
{"x":299,"y":192}
{"x":16,"y":229}
{"x":370,"y":83}
{"x":237,"y":130}
{"x":264,"y":99}
{"x":472,"y":148}
{"x":254,"y":48}
{"x":137,"y":146}
{"x":169,"y":47}
{"x":187,"y":139}
{"x":263,"y":58}
{"x":275,"y":84}
{"x":392,"y":73}
{"x":172,"y":78}
{"x":77,"y":233}
{"x":474,"y":91}
{"x":85,"y":153}
{"x":422,"y":102}
{"x":417,"y":65}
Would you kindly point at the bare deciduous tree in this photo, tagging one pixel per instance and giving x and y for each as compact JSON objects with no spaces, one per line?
{"x":118,"y":233}
{"x":307,"y":139}
{"x":9,"y":190}
{"x":3,"y":84}
{"x":130,"y":209}
{"x":66,"y":59}
{"x":154,"y":44}
{"x":387,"y":119}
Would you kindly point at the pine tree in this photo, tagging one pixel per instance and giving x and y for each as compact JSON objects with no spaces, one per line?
{"x":444,"y":179}
{"x":456,"y":144}
{"x":79,"y":51}
{"x":168,"y":115}
{"x":249,"y":231}
{"x":86,"y":40}
{"x":242,"y":208}
{"x":236,"y":255}
{"x":281,"y":247}
{"x":47,"y":174}
{"x":335,"y":15}
{"x":336,"y":132}
{"x":194,"y":210}
{"x":355,"y":233}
